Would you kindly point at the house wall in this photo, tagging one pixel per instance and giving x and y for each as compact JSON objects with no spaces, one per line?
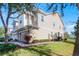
{"x":23,"y":20}
{"x":59,"y":24}
{"x":51,"y":24}
{"x":19,"y":23}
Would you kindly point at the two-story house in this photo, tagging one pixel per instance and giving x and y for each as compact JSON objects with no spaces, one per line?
{"x":39,"y":24}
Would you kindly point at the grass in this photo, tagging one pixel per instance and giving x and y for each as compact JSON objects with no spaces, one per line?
{"x":72,"y":41}
{"x":59,"y":48}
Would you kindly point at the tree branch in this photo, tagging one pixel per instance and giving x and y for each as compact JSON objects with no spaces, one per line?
{"x":14,"y":12}
{"x":2,"y":18}
{"x":16,"y":16}
{"x":7,"y":19}
{"x":9,"y":14}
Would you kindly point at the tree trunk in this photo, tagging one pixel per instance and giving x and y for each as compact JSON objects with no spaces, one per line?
{"x":76,"y":48}
{"x":6,"y":35}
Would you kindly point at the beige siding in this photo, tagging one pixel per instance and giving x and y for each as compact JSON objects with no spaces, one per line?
{"x":46,"y":27}
{"x":50,"y":24}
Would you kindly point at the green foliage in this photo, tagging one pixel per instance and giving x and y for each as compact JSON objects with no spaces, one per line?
{"x":1,"y":34}
{"x":1,"y":31}
{"x":6,"y":48}
{"x":66,"y":35}
{"x":1,"y":39}
{"x":13,"y":10}
{"x":17,"y":8}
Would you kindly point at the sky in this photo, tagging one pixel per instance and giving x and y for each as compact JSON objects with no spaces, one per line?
{"x":69,"y":18}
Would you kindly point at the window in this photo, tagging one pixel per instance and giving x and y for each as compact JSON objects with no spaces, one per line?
{"x":20,"y":21}
{"x":53,"y":24}
{"x":33,"y":20}
{"x":42,"y":18}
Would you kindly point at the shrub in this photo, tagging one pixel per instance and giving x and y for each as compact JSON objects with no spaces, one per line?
{"x":10,"y":39}
{"x":1,"y":39}
{"x":65,"y":39}
{"x":7,"y":47}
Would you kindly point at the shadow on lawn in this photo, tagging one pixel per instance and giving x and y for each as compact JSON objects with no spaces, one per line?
{"x":70,"y":42}
{"x":6,"y":48}
{"x":43,"y":51}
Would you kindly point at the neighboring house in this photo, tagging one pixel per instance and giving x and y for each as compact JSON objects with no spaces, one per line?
{"x":40,"y":24}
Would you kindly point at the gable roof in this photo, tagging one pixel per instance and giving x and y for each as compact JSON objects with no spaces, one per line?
{"x":40,"y":11}
{"x":59,"y":17}
{"x":55,"y":13}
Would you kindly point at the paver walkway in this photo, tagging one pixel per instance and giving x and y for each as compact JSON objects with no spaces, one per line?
{"x":26,"y":45}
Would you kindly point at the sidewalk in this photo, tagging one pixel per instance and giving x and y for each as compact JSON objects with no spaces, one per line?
{"x":26,"y":45}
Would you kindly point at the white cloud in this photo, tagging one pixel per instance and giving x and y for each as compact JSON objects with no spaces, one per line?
{"x":70,"y":28}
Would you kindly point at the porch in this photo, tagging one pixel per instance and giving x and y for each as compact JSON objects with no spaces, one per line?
{"x":21,"y":33}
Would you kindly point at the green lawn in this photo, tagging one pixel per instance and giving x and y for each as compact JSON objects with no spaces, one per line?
{"x":55,"y":49}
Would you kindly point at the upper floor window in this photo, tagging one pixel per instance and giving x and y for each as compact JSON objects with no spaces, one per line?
{"x":20,"y":21}
{"x":42,"y":18}
{"x":53,"y":24}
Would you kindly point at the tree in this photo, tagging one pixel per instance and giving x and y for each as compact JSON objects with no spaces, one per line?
{"x":61,"y":6}
{"x":72,"y":35}
{"x":14,"y":10}
{"x":76,"y":48}
{"x":54,"y":7}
